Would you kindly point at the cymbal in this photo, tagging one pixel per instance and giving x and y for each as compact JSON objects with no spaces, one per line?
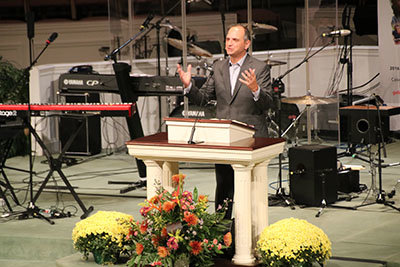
{"x":309,"y":100}
{"x":259,"y":28}
{"x":173,"y":27}
{"x":271,"y":62}
{"x":192,"y":49}
{"x":170,"y":26}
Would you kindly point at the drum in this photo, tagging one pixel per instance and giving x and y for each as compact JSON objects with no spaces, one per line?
{"x":199,"y":80}
{"x":206,"y":112}
{"x":289,"y":113}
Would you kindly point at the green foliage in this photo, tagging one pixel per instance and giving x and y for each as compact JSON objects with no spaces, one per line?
{"x":13,"y":83}
{"x":14,"y":88}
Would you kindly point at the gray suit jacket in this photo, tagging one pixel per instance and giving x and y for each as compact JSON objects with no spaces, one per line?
{"x":241,"y":105}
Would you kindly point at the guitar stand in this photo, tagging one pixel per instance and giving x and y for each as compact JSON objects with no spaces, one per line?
{"x":55,"y":164}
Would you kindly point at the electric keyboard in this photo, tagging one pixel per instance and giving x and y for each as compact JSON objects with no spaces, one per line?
{"x":107,"y":83}
{"x":103,"y":110}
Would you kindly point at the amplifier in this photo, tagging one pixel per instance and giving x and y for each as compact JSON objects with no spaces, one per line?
{"x":313,"y":174}
{"x":88,"y":141}
{"x":348,"y":181}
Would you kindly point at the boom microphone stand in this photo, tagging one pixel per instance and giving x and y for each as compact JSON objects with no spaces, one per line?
{"x":32,"y":210}
{"x":279,"y":87}
{"x":122,"y":71}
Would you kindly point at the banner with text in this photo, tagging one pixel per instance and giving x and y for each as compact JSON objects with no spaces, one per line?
{"x":389,"y":55}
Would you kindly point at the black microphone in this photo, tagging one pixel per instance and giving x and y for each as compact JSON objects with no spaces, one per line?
{"x":337,"y":33}
{"x":190,"y":141}
{"x":52,"y":37}
{"x":198,"y":113}
{"x":147,"y":21}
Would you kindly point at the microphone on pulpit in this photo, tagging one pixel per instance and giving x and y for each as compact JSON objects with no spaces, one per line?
{"x":194,"y":125}
{"x":198,"y":114}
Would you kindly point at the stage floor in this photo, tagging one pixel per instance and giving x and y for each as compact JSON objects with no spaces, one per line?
{"x":367,"y":236}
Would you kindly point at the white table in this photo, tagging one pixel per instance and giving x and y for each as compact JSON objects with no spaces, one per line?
{"x":250,"y":162}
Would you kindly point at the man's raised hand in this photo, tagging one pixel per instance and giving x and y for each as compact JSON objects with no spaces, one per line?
{"x":185,"y":76}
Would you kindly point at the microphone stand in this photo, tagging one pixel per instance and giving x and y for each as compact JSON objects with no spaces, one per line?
{"x":279,"y":87}
{"x":348,"y":59}
{"x":32,"y":210}
{"x":198,"y":113}
{"x":122,"y":71}
{"x":381,"y":196}
{"x":191,"y":142}
{"x":222,"y":10}
{"x":113,"y":54}
{"x":146,"y":29}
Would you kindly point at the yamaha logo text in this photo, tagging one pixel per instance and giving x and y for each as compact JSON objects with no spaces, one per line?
{"x":73,"y":82}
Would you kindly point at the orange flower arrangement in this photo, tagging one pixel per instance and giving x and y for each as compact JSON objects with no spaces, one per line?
{"x":139,"y":248}
{"x":176,"y":226}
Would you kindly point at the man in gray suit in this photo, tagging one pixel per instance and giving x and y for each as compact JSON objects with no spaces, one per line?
{"x":241,"y":85}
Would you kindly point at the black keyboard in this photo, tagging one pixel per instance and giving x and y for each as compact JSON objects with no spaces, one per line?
{"x":107,"y":83}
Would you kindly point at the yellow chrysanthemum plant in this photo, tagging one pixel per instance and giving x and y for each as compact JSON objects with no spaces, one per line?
{"x":103,"y":234}
{"x":293,"y":242}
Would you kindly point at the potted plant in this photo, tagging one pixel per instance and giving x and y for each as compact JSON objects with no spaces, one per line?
{"x":293,"y":242}
{"x":177,"y":230}
{"x":102,"y":234}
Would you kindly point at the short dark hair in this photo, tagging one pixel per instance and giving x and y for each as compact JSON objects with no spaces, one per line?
{"x":246,"y":30}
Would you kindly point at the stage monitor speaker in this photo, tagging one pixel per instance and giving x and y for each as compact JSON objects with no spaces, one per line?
{"x":361,"y":126}
{"x":313,"y":173}
{"x":88,"y":140}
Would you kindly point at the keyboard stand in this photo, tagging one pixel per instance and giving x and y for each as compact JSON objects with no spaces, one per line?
{"x":4,"y":150}
{"x":55,"y":164}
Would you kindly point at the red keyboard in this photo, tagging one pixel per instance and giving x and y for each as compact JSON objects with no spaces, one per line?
{"x":20,"y":110}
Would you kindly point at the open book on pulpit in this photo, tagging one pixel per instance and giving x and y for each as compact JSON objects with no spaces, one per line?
{"x":208,"y":131}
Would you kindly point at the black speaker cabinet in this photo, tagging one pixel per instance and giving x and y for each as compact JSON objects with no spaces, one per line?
{"x":349,"y":181}
{"x":313,"y":174}
{"x":88,"y":140}
{"x":360,"y":126}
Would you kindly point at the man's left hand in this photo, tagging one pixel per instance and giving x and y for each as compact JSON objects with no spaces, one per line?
{"x":249,"y":79}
